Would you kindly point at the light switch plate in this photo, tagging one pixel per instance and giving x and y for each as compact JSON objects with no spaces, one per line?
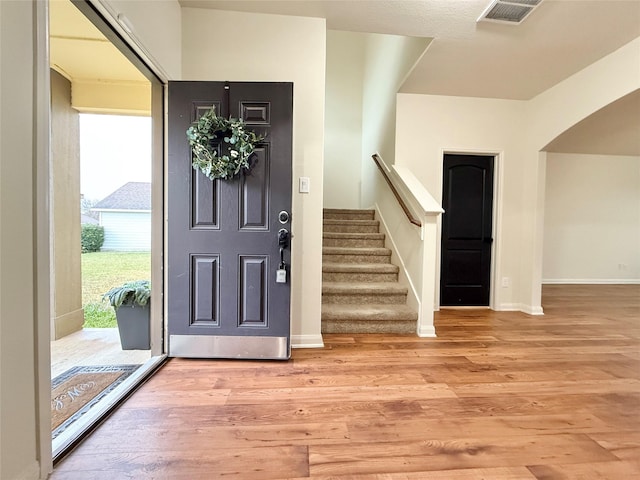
{"x":305,"y":185}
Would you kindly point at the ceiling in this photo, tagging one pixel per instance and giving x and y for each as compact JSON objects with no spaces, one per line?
{"x":467,"y":58}
{"x":80,"y":52}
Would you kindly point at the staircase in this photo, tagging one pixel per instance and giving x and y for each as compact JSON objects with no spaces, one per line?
{"x":360,"y":289}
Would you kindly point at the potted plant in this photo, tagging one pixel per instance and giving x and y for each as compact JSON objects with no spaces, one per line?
{"x":131,"y":303}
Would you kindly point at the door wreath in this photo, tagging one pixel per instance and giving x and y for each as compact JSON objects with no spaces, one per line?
{"x":240,"y":144}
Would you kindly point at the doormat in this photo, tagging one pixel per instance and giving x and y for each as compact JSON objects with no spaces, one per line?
{"x":77,"y":390}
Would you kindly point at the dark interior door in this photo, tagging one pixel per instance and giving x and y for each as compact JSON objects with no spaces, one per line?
{"x":467,"y":222}
{"x":223,"y":250}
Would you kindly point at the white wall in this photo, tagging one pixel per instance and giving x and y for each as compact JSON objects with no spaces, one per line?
{"x":388,"y":61}
{"x":18,"y":429}
{"x":343,"y":119}
{"x":592,"y":219}
{"x":126,"y":231}
{"x":439,"y":124}
{"x":156,"y":29}
{"x":275,"y":48}
{"x":596,"y":86}
{"x":364,"y":73}
{"x":517,"y":131}
{"x":403,"y":238}
{"x":550,"y":114}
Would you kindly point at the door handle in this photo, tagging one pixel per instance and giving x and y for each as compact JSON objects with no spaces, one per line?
{"x":487,"y":240}
{"x":283,"y":238}
{"x":283,"y":242}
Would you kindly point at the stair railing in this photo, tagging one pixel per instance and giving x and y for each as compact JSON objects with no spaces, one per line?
{"x":422,"y":211}
{"x":378,"y":161}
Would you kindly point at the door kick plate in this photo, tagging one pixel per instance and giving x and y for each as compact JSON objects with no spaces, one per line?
{"x":222,"y":346}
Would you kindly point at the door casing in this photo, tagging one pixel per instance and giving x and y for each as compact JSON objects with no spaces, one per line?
{"x":97,"y":14}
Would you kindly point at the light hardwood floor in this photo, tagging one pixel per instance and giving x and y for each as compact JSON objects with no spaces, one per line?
{"x":497,"y":395}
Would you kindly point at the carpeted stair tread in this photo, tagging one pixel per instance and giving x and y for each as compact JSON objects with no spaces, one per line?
{"x":397,"y":327}
{"x":348,"y":214}
{"x":360,"y":288}
{"x":356,"y":226}
{"x":348,"y":211}
{"x":359,"y":272}
{"x":354,"y":235}
{"x":378,"y":288}
{"x":333,"y":221}
{"x":372,"y":318}
{"x":360,"y":268}
{"x":373,"y":251}
{"x":353,"y":239}
{"x":388,"y":313}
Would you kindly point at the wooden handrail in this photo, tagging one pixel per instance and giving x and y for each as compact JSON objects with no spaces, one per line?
{"x":403,"y":205}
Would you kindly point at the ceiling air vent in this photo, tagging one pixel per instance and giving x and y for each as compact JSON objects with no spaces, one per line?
{"x":508,"y":11}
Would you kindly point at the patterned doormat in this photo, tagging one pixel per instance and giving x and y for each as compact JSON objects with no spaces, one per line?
{"x":77,"y":390}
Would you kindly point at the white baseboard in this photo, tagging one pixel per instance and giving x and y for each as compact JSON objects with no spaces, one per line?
{"x":519,"y":307}
{"x":532,"y":309}
{"x":591,"y":281}
{"x":507,"y":307}
{"x":307,"y":341}
{"x":427,"y":332}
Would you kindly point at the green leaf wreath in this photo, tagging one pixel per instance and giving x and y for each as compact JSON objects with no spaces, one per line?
{"x":240,"y":142}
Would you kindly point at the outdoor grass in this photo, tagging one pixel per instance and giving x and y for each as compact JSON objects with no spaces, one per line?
{"x":102,"y":271}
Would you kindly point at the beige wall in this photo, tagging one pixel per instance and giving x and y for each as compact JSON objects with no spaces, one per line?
{"x":476,"y":125}
{"x":68,"y":315}
{"x":549,"y":115}
{"x":388,"y":61}
{"x":343,"y":119}
{"x":294,"y":52}
{"x":18,"y":434}
{"x":592,"y":219}
{"x":516,"y":131}
{"x":364,"y":73}
{"x":570,"y":101}
{"x":403,"y":238}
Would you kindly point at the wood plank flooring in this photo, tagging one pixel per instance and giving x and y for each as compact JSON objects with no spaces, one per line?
{"x":498,"y":395}
{"x":92,"y":346}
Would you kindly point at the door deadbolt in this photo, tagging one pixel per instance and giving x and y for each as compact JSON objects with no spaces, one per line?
{"x":283,"y":217}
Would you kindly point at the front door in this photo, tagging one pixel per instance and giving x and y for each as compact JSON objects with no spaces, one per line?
{"x":224,"y":300}
{"x":467,"y":199}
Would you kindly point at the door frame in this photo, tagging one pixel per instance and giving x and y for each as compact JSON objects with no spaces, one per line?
{"x":496,"y":246}
{"x":106,"y":21}
{"x":42,"y":98}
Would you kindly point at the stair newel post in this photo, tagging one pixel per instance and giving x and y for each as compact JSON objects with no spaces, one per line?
{"x":428,"y":234}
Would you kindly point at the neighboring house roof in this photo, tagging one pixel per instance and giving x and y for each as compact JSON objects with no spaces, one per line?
{"x":130,"y":196}
{"x":88,"y":219}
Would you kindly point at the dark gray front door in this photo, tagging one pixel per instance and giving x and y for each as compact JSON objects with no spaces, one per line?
{"x":223,"y":251}
{"x":467,"y":223}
